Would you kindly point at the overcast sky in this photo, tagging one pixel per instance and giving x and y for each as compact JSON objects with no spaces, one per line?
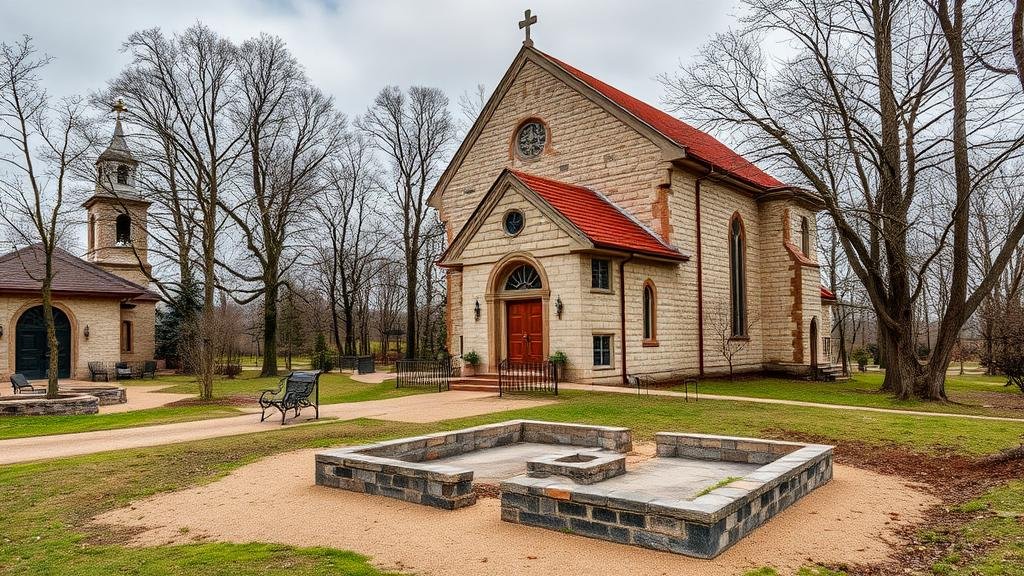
{"x":353,"y":48}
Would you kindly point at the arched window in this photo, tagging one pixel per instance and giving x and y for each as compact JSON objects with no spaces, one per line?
{"x":92,"y":233}
{"x":650,"y":314}
{"x":524,"y":277}
{"x":122,"y":174}
{"x":123,"y":229}
{"x":738,"y":276}
{"x":805,"y":236}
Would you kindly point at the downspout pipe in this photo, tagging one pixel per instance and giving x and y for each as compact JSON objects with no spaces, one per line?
{"x":622,"y":314}
{"x":700,"y":274}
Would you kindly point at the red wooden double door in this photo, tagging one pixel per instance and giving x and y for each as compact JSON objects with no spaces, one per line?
{"x":525,"y":330}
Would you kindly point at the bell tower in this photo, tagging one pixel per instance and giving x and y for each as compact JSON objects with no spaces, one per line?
{"x":116,"y":220}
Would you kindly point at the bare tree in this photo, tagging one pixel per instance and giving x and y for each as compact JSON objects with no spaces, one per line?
{"x":728,"y":347}
{"x":291,"y":130}
{"x":413,"y":131}
{"x":346,"y":212}
{"x":49,"y":145}
{"x":187,"y":84}
{"x":880,"y":107}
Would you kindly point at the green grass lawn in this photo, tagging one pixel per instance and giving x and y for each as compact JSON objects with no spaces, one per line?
{"x":46,"y":505}
{"x":26,"y":426}
{"x":334,"y":388}
{"x":969,"y":394}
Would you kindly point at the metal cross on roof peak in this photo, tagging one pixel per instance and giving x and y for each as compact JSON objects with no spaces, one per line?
{"x":119,"y":108}
{"x":526,"y":22}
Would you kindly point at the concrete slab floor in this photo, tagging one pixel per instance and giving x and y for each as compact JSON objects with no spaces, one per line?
{"x":493,"y":465}
{"x":680,"y":478}
{"x":665,"y":477}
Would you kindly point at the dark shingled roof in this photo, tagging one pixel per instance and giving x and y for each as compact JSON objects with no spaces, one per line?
{"x":118,"y":150}
{"x":21,"y":271}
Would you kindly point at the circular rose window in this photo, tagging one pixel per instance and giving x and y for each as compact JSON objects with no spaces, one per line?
{"x":531,"y":139}
{"x":514,"y":221}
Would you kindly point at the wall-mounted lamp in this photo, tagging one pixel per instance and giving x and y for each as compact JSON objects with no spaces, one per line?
{"x":86,"y":331}
{"x":559,"y":307}
{"x":476,"y":310}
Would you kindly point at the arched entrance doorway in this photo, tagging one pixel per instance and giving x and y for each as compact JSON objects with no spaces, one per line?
{"x":32,"y":354}
{"x":517,"y":299}
{"x":814,"y":342}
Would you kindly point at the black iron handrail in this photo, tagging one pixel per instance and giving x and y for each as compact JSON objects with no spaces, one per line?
{"x":527,"y":377}
{"x":424,"y":373}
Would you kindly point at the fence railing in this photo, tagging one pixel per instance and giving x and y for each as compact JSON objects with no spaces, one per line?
{"x":424,"y":373}
{"x":527,"y":377}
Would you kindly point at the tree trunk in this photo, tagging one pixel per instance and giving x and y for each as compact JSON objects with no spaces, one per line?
{"x":411,"y":271}
{"x":52,"y":385}
{"x":270,"y":296}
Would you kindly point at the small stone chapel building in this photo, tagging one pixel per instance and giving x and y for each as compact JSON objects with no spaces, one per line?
{"x":103,"y":311}
{"x":585,"y":221}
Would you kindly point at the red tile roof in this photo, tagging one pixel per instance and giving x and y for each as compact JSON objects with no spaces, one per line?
{"x":827,"y":294}
{"x":21,"y":270}
{"x":603,"y":223}
{"x":697,"y":143}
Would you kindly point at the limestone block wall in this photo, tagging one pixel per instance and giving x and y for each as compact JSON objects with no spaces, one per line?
{"x":102,"y":316}
{"x":777,"y":298}
{"x":143,"y":319}
{"x":586,"y":146}
{"x":102,"y":239}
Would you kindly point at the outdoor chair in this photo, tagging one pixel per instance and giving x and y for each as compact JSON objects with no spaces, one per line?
{"x":148,"y":369}
{"x":292,"y":393}
{"x":124,"y":372}
{"x":21,"y":384}
{"x":98,"y":370}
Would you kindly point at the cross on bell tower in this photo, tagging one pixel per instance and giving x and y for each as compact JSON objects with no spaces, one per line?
{"x":527,"y":21}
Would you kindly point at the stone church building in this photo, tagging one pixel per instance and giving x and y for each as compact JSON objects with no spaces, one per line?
{"x":102,"y":309}
{"x":585,"y":221}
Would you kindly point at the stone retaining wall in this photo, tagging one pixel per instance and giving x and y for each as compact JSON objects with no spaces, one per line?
{"x":37,"y":405}
{"x":107,"y":395}
{"x":402,"y":469}
{"x":702,"y":527}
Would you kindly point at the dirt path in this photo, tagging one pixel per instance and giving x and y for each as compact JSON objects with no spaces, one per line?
{"x":417,"y":408}
{"x":143,"y":397}
{"x":853,"y":519}
{"x":373,"y":377}
{"x":624,"y":390}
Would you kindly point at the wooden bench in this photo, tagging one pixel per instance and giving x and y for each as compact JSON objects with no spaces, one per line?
{"x":99,"y":370}
{"x":294,"y":392}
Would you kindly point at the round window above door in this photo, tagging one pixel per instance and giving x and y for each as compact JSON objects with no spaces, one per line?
{"x":513,"y":222}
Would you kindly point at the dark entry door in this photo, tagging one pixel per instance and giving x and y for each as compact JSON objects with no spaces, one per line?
{"x":525,"y":331}
{"x":32,"y":355}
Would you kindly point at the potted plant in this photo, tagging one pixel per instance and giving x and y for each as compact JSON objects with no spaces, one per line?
{"x":559,"y":361}
{"x":470,"y":359}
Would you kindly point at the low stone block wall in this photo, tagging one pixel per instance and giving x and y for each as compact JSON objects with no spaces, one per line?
{"x":37,"y":405}
{"x":107,"y":395}
{"x":702,"y":527}
{"x":402,"y":469}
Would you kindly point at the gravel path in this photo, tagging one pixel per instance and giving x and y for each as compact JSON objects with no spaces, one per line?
{"x":624,"y":390}
{"x":416,"y":408}
{"x":142,"y":397}
{"x":853,"y":519}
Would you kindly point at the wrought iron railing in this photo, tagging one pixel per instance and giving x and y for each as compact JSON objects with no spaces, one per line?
{"x":826,"y":348}
{"x":527,"y":377}
{"x":424,"y":373}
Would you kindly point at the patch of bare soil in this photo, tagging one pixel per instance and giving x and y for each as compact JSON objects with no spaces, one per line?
{"x":233,"y":400}
{"x":855,"y":519}
{"x":1011,"y":404}
{"x":952,"y":479}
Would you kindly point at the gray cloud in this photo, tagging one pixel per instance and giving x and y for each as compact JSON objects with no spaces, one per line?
{"x":353,"y":48}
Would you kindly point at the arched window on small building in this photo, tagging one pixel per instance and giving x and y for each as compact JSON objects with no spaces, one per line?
{"x":738,"y":276}
{"x":650,"y":314}
{"x":122,"y":174}
{"x":123,"y":229}
{"x":805,"y":236}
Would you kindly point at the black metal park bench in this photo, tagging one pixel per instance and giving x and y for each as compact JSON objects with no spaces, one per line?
{"x":295,"y":392}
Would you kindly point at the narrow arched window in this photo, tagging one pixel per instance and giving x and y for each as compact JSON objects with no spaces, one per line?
{"x":738,"y":276}
{"x":92,"y":233}
{"x":123,"y":229}
{"x":650,"y":313}
{"x":122,"y":174}
{"x":805,"y":236}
